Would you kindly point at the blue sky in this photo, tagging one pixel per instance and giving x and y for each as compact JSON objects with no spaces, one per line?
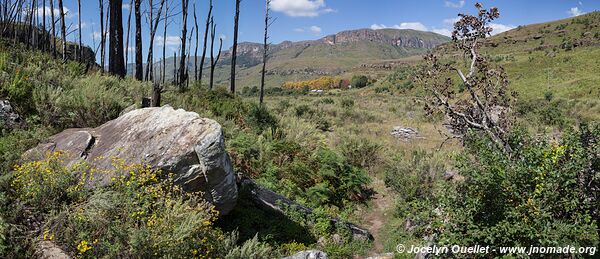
{"x":312,"y":19}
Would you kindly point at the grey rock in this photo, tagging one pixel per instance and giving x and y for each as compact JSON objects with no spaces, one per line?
{"x":309,"y":254}
{"x":9,"y":118}
{"x":382,"y":256}
{"x":405,"y":133}
{"x":49,"y":250}
{"x":173,"y":141}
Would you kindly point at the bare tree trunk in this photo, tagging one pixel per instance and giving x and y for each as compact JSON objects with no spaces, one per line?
{"x":208,"y":18}
{"x":197,"y":40}
{"x":63,"y":29}
{"x":80,"y":47}
{"x":139,"y":63}
{"x":213,"y":61}
{"x":187,"y":64}
{"x":182,"y":64}
{"x":149,"y":65}
{"x":212,"y":50}
{"x":116,"y":64}
{"x":53,"y":28}
{"x":102,"y":35}
{"x":30,"y":24}
{"x":234,"y":49}
{"x":265,"y":52}
{"x":164,"y":47}
{"x":127,"y":36}
{"x":175,"y":68}
{"x":44,"y":37}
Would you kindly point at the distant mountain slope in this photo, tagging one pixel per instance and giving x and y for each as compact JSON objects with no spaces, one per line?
{"x":330,"y":55}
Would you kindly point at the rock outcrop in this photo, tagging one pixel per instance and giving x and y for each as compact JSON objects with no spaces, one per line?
{"x":405,"y":133}
{"x":170,"y":140}
{"x":309,"y":254}
{"x":9,"y":118}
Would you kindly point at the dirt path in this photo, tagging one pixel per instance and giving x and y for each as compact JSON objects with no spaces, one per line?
{"x":375,"y":218}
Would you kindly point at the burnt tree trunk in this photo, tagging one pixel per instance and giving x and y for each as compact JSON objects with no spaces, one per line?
{"x":127,"y":37}
{"x":116,"y":64}
{"x":102,"y":35}
{"x":164,"y":47}
{"x":265,"y":53}
{"x":197,"y":41}
{"x":63,"y":29}
{"x":80,"y":46}
{"x":53,"y":29}
{"x":234,"y":49}
{"x":208,"y":18}
{"x":139,"y":63}
{"x":182,"y":64}
{"x":149,"y":66}
{"x":213,"y":61}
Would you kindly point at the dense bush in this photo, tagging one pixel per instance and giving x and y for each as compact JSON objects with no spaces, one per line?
{"x":359,"y":81}
{"x":141,"y":213}
{"x":544,"y":194}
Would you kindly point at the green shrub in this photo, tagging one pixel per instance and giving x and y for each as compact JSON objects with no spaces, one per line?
{"x":347,"y":103}
{"x":260,"y":118}
{"x":361,"y":152}
{"x":413,"y":177}
{"x":303,"y":109}
{"x":251,"y":249}
{"x":514,"y":201}
{"x":359,"y":81}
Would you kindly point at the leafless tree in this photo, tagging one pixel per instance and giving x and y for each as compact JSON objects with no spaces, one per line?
{"x":164,"y":47}
{"x":153,"y":27}
{"x":127,"y":34}
{"x":213,"y":61}
{"x":44,"y":37}
{"x":197,"y":41}
{"x":208,"y":18}
{"x":30,"y":23}
{"x":182,"y":64}
{"x":53,"y":28}
{"x":102,"y":35}
{"x":80,"y":46}
{"x":63,"y":29}
{"x":139,"y":63}
{"x":235,"y":43}
{"x":268,"y":22}
{"x":116,"y":64}
{"x":486,"y":105}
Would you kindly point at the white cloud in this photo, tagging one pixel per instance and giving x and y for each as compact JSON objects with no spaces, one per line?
{"x":223,"y":36}
{"x":315,"y":29}
{"x":378,"y":26}
{"x":575,"y":11}
{"x":500,"y":28}
{"x":301,"y":8}
{"x":445,"y":32}
{"x":405,"y":25}
{"x":172,"y":41}
{"x":40,"y":12}
{"x":451,"y":21}
{"x":126,"y":7}
{"x":452,"y":4}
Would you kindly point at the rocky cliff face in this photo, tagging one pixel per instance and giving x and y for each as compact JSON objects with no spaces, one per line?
{"x":398,"y":38}
{"x":393,"y":37}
